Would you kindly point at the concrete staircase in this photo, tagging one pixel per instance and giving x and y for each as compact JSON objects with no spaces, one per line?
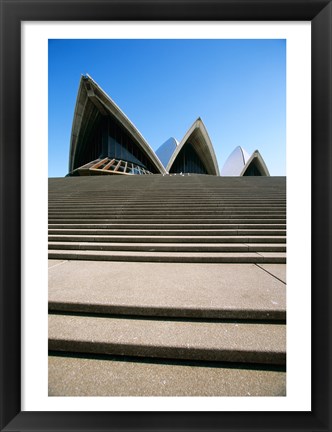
{"x":168,"y":219}
{"x":159,"y":282}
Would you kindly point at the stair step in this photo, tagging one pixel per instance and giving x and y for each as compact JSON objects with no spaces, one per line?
{"x":173,"y":232}
{"x":165,"y":239}
{"x":185,"y":340}
{"x":185,"y":222}
{"x":137,"y":205}
{"x":209,"y":291}
{"x":194,"y":257}
{"x":165,"y":207}
{"x":114,"y":376}
{"x":167,"y":226}
{"x":163,"y":213}
{"x":169,"y":247}
{"x":170,"y":217}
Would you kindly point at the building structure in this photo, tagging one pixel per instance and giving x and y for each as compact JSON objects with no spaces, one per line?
{"x":104,"y":141}
{"x":240,"y":163}
{"x":163,"y":285}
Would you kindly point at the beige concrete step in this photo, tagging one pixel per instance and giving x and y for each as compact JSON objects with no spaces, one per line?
{"x":113,"y":376}
{"x":157,"y":203}
{"x":173,"y":232}
{"x":166,"y":239}
{"x":195,"y":206}
{"x":174,"y":212}
{"x":107,"y":218}
{"x":265,"y":223}
{"x":209,"y":291}
{"x":193,"y":226}
{"x":176,"y":339}
{"x":193,"y":257}
{"x":276,"y":270}
{"x":203,"y":246}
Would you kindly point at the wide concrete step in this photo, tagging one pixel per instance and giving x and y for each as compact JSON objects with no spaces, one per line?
{"x":171,"y":194}
{"x":193,"y":226}
{"x":105,"y":189}
{"x":165,"y":206}
{"x":106,"y":218}
{"x":173,"y":232}
{"x":142,"y":201}
{"x":176,"y":339}
{"x":167,"y":190}
{"x":168,"y":247}
{"x":118,"y":376}
{"x":165,"y":239}
{"x":208,"y":192}
{"x":185,"y":257}
{"x":205,"y":291}
{"x":192,"y":221}
{"x":131,"y":211}
{"x":106,"y":223}
{"x":160,"y":194}
{"x":160,"y":198}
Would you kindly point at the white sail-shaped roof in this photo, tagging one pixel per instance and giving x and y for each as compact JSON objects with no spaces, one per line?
{"x":256,"y":160}
{"x":90,"y":93}
{"x":235,"y":162}
{"x":239,"y":161}
{"x":198,"y":137}
{"x":166,"y":150}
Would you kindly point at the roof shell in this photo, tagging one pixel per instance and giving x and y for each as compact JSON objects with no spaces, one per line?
{"x":256,"y":158}
{"x":239,"y":161}
{"x":90,"y":92}
{"x":235,"y":162}
{"x":166,"y":150}
{"x":198,"y":137}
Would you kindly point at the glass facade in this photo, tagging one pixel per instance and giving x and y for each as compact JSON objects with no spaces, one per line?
{"x":109,"y":166}
{"x":104,"y":137}
{"x":252,"y":170}
{"x":188,"y":161}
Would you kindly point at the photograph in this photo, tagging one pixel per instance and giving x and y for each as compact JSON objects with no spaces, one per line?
{"x":167,"y":217}
{"x":165,"y":174}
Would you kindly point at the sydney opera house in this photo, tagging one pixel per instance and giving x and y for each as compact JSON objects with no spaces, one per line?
{"x":104,"y":141}
{"x":167,"y":276}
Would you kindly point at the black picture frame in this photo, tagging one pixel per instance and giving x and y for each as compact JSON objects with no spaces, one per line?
{"x":12,"y":12}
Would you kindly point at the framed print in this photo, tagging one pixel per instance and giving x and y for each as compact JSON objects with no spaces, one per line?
{"x":25,"y":402}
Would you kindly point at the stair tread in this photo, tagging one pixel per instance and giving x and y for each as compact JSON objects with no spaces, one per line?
{"x":213,"y":341}
{"x":70,"y":376}
{"x":204,"y":246}
{"x":212,"y":232}
{"x":156,"y":238}
{"x":164,"y":289}
{"x":194,"y":257}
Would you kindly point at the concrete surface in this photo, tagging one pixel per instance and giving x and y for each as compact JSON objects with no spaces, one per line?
{"x":276,"y":270}
{"x":194,"y":340}
{"x":185,"y":257}
{"x":149,"y":310}
{"x":201,"y":290}
{"x":168,"y":247}
{"x":113,"y":377}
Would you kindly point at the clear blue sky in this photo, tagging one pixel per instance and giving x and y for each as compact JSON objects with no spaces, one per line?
{"x":237,"y":87}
